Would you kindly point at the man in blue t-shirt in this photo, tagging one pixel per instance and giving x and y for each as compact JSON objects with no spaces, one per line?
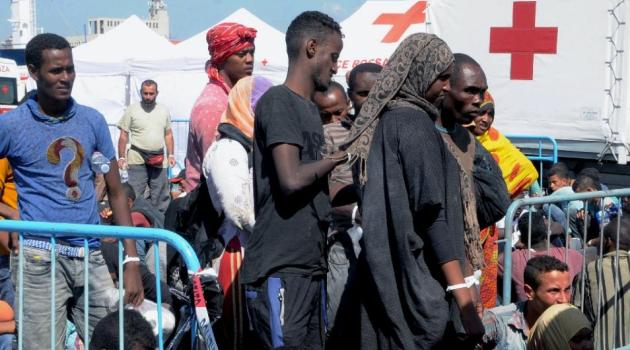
{"x":49,"y":141}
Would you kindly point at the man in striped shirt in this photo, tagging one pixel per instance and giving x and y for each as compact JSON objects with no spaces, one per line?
{"x":606,"y":285}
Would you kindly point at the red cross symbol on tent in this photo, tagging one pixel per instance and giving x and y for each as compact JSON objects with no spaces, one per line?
{"x":523,"y":40}
{"x":400,"y":22}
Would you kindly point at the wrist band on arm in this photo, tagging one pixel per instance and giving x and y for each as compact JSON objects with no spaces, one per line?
{"x":456,"y":286}
{"x":354,"y":214}
{"x":129,"y":259}
{"x":121,"y":158}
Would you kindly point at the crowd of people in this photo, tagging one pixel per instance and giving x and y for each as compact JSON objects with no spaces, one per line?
{"x":358,"y":218}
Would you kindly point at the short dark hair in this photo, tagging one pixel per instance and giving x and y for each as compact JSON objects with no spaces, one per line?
{"x":362,"y":68}
{"x":560,"y":170}
{"x":461,"y":60}
{"x":335,"y":85}
{"x":539,"y":229}
{"x":41,"y":42}
{"x":538,"y":265}
{"x":314,"y":24}
{"x":148,"y":82}
{"x":138,"y":332}
{"x":592,"y":172}
{"x":129,"y":191}
{"x":610,"y":232}
{"x":585,"y":181}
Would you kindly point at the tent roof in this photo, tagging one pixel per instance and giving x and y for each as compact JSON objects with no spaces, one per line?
{"x":113,"y":52}
{"x":270,"y":45}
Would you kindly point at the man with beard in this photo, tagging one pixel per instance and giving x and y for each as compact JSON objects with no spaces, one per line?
{"x":147,"y":125}
{"x":284,"y":269}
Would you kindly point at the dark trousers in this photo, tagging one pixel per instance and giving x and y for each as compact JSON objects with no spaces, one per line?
{"x":287,"y":312}
{"x":156,"y":179}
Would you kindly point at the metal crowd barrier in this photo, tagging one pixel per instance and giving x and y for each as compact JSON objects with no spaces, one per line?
{"x":60,"y":230}
{"x":543,"y":154}
{"x":584,"y":198}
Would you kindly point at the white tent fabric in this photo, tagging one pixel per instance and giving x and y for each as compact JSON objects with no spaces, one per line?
{"x":270,"y":56}
{"x":126,"y":48}
{"x":564,"y":96}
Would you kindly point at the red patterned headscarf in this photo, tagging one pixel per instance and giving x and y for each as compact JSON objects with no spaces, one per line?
{"x":224,"y":40}
{"x":488,"y":102}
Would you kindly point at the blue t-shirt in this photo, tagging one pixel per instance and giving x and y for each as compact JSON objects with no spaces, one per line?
{"x":50,"y":159}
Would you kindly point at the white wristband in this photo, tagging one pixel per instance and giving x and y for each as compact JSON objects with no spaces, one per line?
{"x":354,"y":214}
{"x":121,"y":158}
{"x":129,"y":259}
{"x":456,"y":286}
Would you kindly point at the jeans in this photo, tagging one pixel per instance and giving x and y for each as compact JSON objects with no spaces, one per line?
{"x":7,"y":294}
{"x":69,"y":295}
{"x":141,"y":176}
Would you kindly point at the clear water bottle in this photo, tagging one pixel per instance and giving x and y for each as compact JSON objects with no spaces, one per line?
{"x":100,"y":163}
{"x":124,"y":175}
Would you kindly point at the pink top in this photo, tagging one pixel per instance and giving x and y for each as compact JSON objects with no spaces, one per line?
{"x":204,"y":120}
{"x":139,"y":220}
{"x":519,"y":260}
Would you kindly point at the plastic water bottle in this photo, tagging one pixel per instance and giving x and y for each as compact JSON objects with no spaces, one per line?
{"x":124,"y":175}
{"x":100,"y":163}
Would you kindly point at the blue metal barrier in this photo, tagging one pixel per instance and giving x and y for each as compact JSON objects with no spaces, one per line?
{"x":531,"y":201}
{"x":540,"y":156}
{"x":59,"y":230}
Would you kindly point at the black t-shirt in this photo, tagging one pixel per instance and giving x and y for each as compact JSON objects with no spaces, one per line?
{"x":290,"y":232}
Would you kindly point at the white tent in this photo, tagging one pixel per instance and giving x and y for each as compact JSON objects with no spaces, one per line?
{"x":547,"y":71}
{"x":105,"y":65}
{"x":270,"y":57}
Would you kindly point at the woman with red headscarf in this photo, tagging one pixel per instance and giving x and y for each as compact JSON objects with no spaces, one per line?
{"x":231,"y":48}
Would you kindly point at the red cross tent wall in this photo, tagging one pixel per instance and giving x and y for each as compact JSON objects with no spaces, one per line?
{"x":545,"y":61}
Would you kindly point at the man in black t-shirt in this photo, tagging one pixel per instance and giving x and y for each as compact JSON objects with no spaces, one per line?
{"x":285,"y":268}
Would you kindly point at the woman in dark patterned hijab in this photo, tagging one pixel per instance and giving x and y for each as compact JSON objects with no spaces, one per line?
{"x":404,"y":81}
{"x":413,"y":236}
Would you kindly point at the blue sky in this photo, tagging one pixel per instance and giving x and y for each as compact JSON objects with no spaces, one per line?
{"x":188,"y":17}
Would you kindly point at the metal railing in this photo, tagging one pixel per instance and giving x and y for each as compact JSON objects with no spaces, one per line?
{"x":543,"y":154}
{"x":584,"y":199}
{"x":60,"y":230}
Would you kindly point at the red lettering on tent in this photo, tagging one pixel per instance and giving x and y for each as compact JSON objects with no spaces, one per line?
{"x":523,"y":40}
{"x":401,"y":21}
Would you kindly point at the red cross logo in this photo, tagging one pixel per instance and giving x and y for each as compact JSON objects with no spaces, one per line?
{"x":523,"y":40}
{"x":264,"y":62}
{"x":400,"y":22}
{"x":5,"y":89}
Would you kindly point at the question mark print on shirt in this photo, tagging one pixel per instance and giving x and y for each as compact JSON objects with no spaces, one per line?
{"x":71,"y":171}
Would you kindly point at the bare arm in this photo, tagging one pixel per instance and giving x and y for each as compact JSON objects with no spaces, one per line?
{"x":470,"y":318}
{"x":134,"y":293}
{"x":122,"y":148}
{"x":294,"y":176}
{"x":168,"y":140}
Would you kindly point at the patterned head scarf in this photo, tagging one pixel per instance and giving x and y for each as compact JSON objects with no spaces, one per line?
{"x":242,"y":103}
{"x":556,"y":326}
{"x":488,"y":103}
{"x":411,"y":70}
{"x":224,"y":40}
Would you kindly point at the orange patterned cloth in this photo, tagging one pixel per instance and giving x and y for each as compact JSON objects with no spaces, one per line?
{"x":488,"y":287}
{"x":233,"y":305}
{"x":518,"y":172}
